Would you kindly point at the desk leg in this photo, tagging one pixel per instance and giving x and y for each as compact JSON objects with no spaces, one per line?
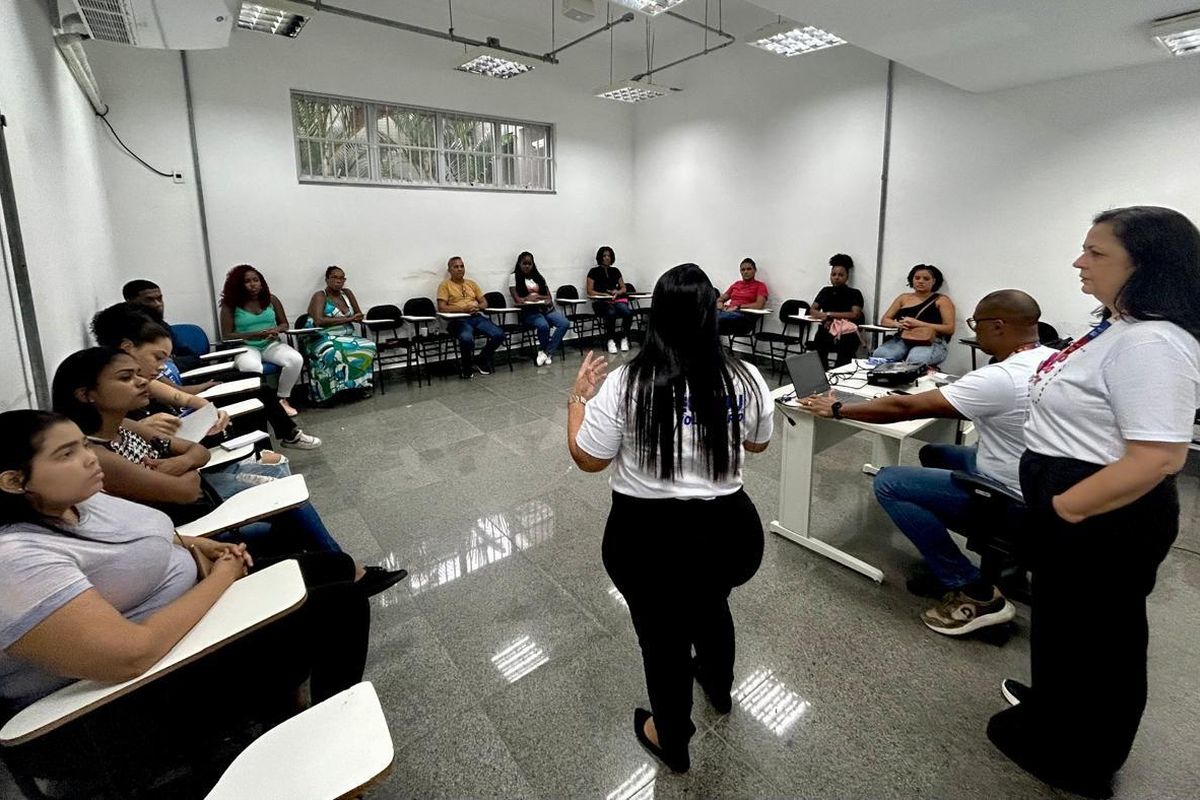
{"x":800,"y":444}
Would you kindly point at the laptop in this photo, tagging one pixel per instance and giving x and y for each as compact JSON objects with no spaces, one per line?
{"x":808,"y":378}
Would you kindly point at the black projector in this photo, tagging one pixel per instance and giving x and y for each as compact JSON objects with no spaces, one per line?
{"x":894,"y":374}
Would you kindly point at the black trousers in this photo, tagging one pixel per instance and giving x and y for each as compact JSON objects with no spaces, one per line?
{"x":1089,"y":629}
{"x":676,"y":561}
{"x":846,"y":347}
{"x":185,"y":715}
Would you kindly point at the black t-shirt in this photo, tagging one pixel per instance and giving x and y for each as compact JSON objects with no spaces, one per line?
{"x":839,"y":298}
{"x":605,"y":281}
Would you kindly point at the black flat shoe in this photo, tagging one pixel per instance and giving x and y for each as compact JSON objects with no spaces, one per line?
{"x":722,"y":702}
{"x":1009,"y":732}
{"x":678,"y":763}
{"x":378,"y":579}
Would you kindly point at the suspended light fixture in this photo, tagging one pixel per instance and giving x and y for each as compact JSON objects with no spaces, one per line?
{"x":1180,"y":34}
{"x":790,"y":39}
{"x":493,"y":63}
{"x":631,"y":91}
{"x":267,"y":19}
{"x":651,"y":7}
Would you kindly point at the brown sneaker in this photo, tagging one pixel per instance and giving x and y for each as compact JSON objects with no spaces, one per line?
{"x":959,"y":614}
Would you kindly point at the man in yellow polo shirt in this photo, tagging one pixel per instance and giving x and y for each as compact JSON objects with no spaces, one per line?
{"x":458,"y":295}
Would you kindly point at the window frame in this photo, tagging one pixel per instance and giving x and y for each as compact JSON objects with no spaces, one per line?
{"x":501,"y":162}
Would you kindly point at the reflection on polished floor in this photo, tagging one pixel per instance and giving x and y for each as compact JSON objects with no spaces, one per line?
{"x":507,"y":665}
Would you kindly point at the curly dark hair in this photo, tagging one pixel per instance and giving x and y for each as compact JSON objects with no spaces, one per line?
{"x":841,"y":260}
{"x":938,"y":278}
{"x":233,"y":293}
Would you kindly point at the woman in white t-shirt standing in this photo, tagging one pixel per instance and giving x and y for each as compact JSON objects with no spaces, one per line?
{"x":1110,"y":421}
{"x":682,"y":532}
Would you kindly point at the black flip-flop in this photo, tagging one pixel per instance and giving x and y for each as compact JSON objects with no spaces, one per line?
{"x":679,"y":763}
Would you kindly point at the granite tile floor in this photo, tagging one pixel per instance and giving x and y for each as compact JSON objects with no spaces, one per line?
{"x":507,"y":665}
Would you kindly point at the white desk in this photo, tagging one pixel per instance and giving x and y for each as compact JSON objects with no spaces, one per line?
{"x":208,"y":369}
{"x":446,"y":315}
{"x":232,"y":387}
{"x":811,"y":435}
{"x":250,"y":505}
{"x":242,"y":407}
{"x":640,"y":295}
{"x":217,"y":355}
{"x":249,"y":604}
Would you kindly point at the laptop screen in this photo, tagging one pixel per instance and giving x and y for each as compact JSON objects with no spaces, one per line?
{"x":808,"y":374}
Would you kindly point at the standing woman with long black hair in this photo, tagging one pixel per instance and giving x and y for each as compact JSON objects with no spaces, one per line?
{"x":1110,"y":421}
{"x":682,"y":532}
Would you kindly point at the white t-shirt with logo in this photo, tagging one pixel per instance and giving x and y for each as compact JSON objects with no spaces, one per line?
{"x":607,"y":433}
{"x":996,"y":399}
{"x":1136,"y":381}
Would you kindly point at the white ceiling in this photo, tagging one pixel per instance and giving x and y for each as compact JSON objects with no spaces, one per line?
{"x":977,"y":45}
{"x":982,"y":45}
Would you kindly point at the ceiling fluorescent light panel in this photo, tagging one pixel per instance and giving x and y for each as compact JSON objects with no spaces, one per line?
{"x":651,"y":7}
{"x":790,"y":39}
{"x":271,"y":19}
{"x":631,"y":91}
{"x":1180,"y":34}
{"x":492,"y":63}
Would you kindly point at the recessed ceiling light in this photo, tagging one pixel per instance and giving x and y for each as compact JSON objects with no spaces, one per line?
{"x":264,"y":19}
{"x":651,"y":7}
{"x":631,"y":91}
{"x":492,"y":64}
{"x":789,"y":39}
{"x":1179,"y":34}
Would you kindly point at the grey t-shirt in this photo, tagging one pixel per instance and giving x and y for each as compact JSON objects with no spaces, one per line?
{"x":133,"y":564}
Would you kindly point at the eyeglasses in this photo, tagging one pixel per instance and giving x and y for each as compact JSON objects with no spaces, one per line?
{"x":972,"y":321}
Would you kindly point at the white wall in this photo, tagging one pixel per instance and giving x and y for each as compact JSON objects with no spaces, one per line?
{"x":776,"y":159}
{"x":393,"y":243}
{"x":54,"y":146}
{"x":998,"y":189}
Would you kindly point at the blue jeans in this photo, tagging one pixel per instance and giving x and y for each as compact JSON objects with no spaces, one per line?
{"x":923,"y":501}
{"x":300,"y":529}
{"x":543,"y":321}
{"x":896,"y":349}
{"x":611,"y":312}
{"x":734,"y":323}
{"x":465,"y":330}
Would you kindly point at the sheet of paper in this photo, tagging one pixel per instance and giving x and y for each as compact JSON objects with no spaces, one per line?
{"x":198,"y":423}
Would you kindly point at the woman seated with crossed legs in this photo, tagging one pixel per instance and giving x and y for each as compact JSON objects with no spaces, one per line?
{"x":528,"y":286}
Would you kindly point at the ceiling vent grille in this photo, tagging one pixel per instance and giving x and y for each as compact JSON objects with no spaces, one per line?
{"x":108,"y":20}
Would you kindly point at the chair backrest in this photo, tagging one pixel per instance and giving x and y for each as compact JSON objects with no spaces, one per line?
{"x":190,"y":336}
{"x":420,"y":307}
{"x":629,"y":287}
{"x":568,"y":292}
{"x":303,"y":321}
{"x":1048,"y":335}
{"x":790,"y":308}
{"x":495,"y":300}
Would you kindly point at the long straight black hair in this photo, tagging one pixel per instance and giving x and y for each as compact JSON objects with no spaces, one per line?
{"x":1164,"y":246}
{"x":683,"y":379}
{"x":522,"y":290}
{"x":81,"y":370}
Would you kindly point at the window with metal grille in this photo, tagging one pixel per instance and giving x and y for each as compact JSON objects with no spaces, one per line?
{"x":343,"y":140}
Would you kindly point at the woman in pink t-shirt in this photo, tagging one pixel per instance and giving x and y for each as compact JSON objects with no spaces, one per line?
{"x":749,"y":292}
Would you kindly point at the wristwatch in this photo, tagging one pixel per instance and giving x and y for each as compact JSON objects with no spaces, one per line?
{"x":836,"y":410}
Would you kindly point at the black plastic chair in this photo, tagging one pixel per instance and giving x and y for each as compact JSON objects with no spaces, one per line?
{"x":583,"y":323}
{"x":998,"y":520}
{"x":780,"y":344}
{"x":390,"y":346}
{"x":507,"y":321}
{"x":1048,"y":335}
{"x":426,"y":339}
{"x":641,"y":314}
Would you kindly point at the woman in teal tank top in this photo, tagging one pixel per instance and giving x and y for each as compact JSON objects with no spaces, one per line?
{"x":251,"y":313}
{"x":338,"y":361}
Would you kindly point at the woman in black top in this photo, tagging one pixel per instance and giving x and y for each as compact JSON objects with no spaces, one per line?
{"x":607,"y":288}
{"x":924,"y":317}
{"x":838,"y":301}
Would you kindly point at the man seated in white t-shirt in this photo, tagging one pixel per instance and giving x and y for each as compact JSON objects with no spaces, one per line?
{"x":924,"y":501}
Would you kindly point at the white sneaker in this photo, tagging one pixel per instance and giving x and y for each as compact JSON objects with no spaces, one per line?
{"x":624,"y":345}
{"x":549,"y":360}
{"x":612,"y":346}
{"x":542,"y":359}
{"x":301,"y":441}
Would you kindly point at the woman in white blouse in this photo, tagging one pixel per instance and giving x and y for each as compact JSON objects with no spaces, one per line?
{"x":1110,"y":421}
{"x":677,"y":421}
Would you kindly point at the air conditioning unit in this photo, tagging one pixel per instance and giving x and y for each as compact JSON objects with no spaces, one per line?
{"x":159,"y":24}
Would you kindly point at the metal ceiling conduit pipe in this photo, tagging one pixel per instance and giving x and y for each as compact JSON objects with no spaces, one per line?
{"x":729,"y":39}
{"x":449,"y":36}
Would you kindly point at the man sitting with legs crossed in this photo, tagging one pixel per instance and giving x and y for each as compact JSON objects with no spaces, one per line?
{"x":924,"y":501}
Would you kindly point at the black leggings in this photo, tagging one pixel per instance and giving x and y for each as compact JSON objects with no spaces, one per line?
{"x":252,"y":679}
{"x":675,"y":562}
{"x":1089,"y":630}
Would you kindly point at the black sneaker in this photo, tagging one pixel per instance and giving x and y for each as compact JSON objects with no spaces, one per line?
{"x":924,"y":584}
{"x":483,"y":368}
{"x":1014,"y":691}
